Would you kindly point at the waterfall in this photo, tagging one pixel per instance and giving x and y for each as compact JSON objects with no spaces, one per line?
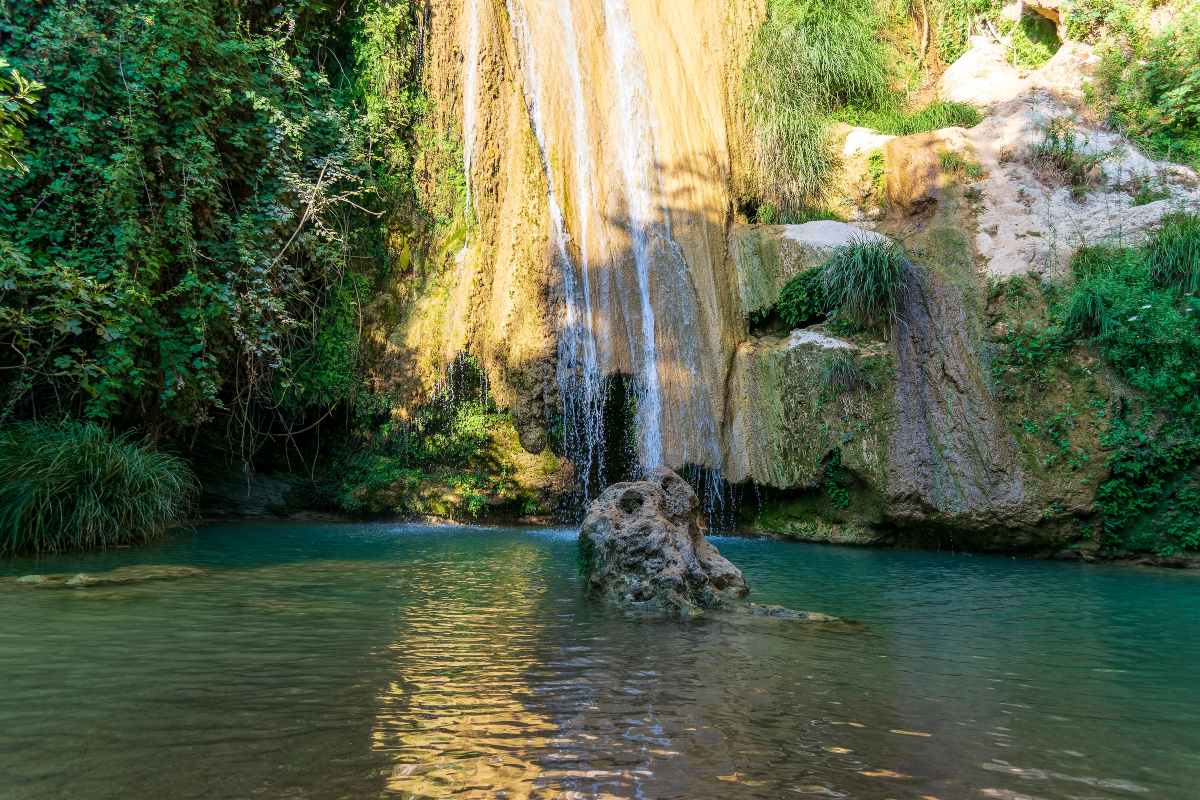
{"x":638,"y":168}
{"x":579,"y":376}
{"x":582,"y":371}
{"x":470,"y":94}
{"x":662,"y":325}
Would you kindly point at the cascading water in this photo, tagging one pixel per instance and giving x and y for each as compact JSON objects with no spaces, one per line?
{"x":579,"y":376}
{"x":636,"y":155}
{"x":579,"y":373}
{"x":611,"y":318}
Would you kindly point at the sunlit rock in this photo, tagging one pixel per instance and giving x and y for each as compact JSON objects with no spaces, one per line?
{"x":644,"y":548}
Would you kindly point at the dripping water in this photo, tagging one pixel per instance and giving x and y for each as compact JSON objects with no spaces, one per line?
{"x":581,"y":385}
{"x":636,"y":156}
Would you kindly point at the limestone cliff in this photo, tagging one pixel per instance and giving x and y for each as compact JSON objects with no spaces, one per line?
{"x":602,"y":152}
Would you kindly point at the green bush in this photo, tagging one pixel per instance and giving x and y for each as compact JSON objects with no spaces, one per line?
{"x":1151,"y":87}
{"x":1032,"y":41}
{"x":802,"y":300}
{"x":809,"y":59}
{"x":75,"y":486}
{"x":201,"y":176}
{"x":864,"y":281}
{"x":1065,"y":153}
{"x":1173,"y":253}
{"x":1134,"y":306}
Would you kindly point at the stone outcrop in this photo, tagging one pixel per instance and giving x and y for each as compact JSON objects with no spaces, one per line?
{"x":644,"y":548}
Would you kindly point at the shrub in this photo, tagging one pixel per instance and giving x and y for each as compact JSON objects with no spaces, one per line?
{"x":803,"y":300}
{"x":1066,"y":155}
{"x":864,"y":281}
{"x":808,"y":59}
{"x":1149,"y":86}
{"x":1173,"y":254}
{"x":75,"y":486}
{"x":955,"y":21}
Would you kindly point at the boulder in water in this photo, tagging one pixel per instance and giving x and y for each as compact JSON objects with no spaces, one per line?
{"x":644,"y":548}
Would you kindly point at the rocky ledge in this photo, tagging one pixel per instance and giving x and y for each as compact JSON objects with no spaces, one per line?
{"x":644,"y":549}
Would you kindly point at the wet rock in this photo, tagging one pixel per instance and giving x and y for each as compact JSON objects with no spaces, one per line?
{"x":781,"y":612}
{"x":122,"y":576}
{"x":644,"y":548}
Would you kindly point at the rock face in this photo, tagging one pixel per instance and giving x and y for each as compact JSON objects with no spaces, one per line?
{"x":644,"y":548}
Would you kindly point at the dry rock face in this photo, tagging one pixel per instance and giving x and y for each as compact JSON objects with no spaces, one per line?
{"x":644,"y":548}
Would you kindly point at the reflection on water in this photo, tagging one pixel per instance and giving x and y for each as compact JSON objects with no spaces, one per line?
{"x":402,"y":661}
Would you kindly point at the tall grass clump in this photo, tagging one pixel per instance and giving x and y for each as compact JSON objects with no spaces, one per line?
{"x":74,"y":486}
{"x":809,"y":59}
{"x":864,"y":281}
{"x":1087,"y":312}
{"x":1173,"y":253}
{"x":842,"y":372}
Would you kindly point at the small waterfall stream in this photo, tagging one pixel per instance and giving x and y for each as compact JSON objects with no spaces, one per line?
{"x":579,"y":376}
{"x":612,"y":234}
{"x":638,"y":167}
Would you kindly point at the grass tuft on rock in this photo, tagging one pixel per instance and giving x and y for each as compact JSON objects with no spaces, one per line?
{"x":75,"y":486}
{"x":841,"y":372}
{"x":1173,"y":253}
{"x":864,"y":281}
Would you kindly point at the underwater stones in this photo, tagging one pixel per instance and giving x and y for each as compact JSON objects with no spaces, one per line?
{"x":122,"y":576}
{"x":644,"y":548}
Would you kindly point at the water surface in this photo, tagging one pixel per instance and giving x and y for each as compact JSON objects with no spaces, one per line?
{"x":363,"y":661}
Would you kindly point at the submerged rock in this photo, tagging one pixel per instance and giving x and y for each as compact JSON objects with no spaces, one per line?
{"x":644,"y":547}
{"x":121,"y":576}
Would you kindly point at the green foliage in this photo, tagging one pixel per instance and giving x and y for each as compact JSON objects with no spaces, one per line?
{"x":1032,"y":41}
{"x":1092,"y":21}
{"x":75,"y":486}
{"x":877,"y":172}
{"x":841,"y":372}
{"x":18,"y":97}
{"x":864,"y":281}
{"x":955,"y":20}
{"x":1087,"y":314}
{"x":1065,"y":155}
{"x":954,"y":163}
{"x":1173,"y":253}
{"x":1150,"y":86}
{"x":808,"y":60}
{"x":898,"y":121}
{"x":834,"y":480}
{"x":803,"y":301}
{"x":200,"y":183}
{"x":1137,"y":307}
